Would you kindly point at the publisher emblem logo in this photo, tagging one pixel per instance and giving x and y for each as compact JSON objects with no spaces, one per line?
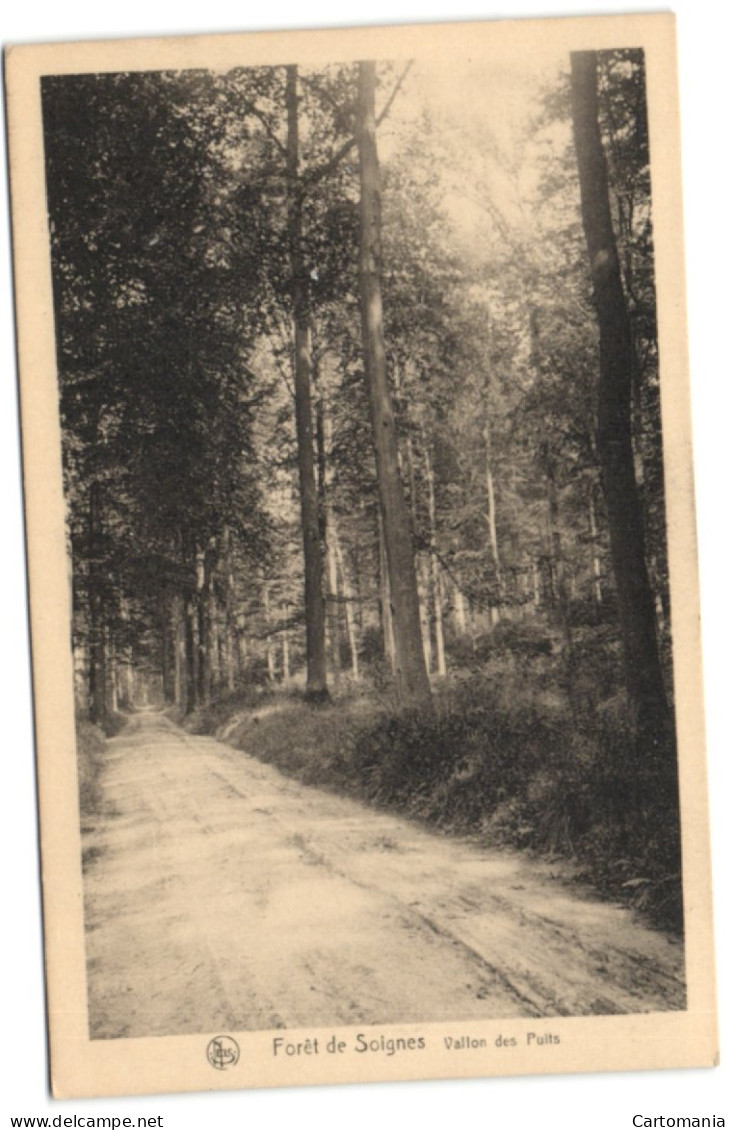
{"x":222,"y":1052}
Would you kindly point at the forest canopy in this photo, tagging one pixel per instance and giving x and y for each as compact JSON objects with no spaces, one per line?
{"x":359,"y":393}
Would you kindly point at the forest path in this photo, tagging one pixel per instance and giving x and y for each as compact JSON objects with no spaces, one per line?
{"x":221,"y":895}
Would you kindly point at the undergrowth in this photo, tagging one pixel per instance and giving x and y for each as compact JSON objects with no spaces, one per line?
{"x":90,"y":748}
{"x":509,"y":767}
{"x":208,"y":719}
{"x":90,"y":761}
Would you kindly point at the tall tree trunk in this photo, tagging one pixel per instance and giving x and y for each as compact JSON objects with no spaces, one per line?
{"x":411,"y":672}
{"x":644,"y":681}
{"x":328,"y":533}
{"x":98,"y":667}
{"x":242,"y":643}
{"x":270,"y":658}
{"x":420,"y":563}
{"x":491,"y":518}
{"x":176,"y":616}
{"x":559,"y":575}
{"x":97,"y":663}
{"x":423,"y":586}
{"x":556,"y":569}
{"x":285,"y":664}
{"x":595,"y":558}
{"x":490,"y":498}
{"x":333,"y":596}
{"x":348,"y":598}
{"x":384,"y":596}
{"x":439,"y":625}
{"x":190,"y":652}
{"x":229,"y":657}
{"x":358,"y":610}
{"x":458,"y":609}
{"x":130,"y":684}
{"x":214,"y":634}
{"x":439,"y":629}
{"x":111,"y":669}
{"x":321,"y":428}
{"x":82,"y":679}
{"x":168,"y":646}
{"x":204,"y":669}
{"x":314,"y":605}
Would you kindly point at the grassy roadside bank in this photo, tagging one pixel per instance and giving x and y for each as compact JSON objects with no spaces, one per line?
{"x":509,"y":767}
{"x":91,"y":746}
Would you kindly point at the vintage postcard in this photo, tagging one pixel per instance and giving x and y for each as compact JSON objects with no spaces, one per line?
{"x":362,"y":562}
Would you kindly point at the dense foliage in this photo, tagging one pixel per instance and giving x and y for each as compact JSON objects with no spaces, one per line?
{"x":210,"y":258}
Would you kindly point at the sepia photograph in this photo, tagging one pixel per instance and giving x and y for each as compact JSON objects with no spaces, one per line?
{"x":361,"y":555}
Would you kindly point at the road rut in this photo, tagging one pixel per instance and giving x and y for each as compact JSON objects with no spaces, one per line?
{"x":220,"y":894}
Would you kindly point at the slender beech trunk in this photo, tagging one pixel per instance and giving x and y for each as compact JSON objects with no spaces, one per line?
{"x":359,"y":590}
{"x":423,"y":587}
{"x":328,"y":532}
{"x":535,"y":583}
{"x":168,"y":647}
{"x":473,"y":626}
{"x":285,"y":663}
{"x":242,"y":643}
{"x":321,"y":429}
{"x":332,"y":625}
{"x":97,"y":664}
{"x":491,"y":518}
{"x":214,"y":635}
{"x":204,"y":668}
{"x":270,"y":659}
{"x":559,"y":582}
{"x":439,"y":629}
{"x":229,"y":627}
{"x":314,"y":605}
{"x":559,"y":571}
{"x":82,"y":683}
{"x":333,"y":596}
{"x":439,"y":625}
{"x":176,"y":617}
{"x":491,"y":499}
{"x":230,"y":654}
{"x":411,"y":672}
{"x":121,"y":697}
{"x":384,"y":597}
{"x":190,"y":652}
{"x":595,"y":559}
{"x":130,"y":683}
{"x":348,"y":598}
{"x":122,"y":661}
{"x":458,"y":610}
{"x":421,"y":567}
{"x":111,"y":671}
{"x":644,"y":681}
{"x":553,"y":523}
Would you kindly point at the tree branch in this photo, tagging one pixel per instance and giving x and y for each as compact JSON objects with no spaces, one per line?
{"x":262,"y":118}
{"x":392,"y":98}
{"x":329,"y":166}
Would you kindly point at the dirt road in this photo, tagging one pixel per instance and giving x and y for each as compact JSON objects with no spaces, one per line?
{"x":221,"y":895}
